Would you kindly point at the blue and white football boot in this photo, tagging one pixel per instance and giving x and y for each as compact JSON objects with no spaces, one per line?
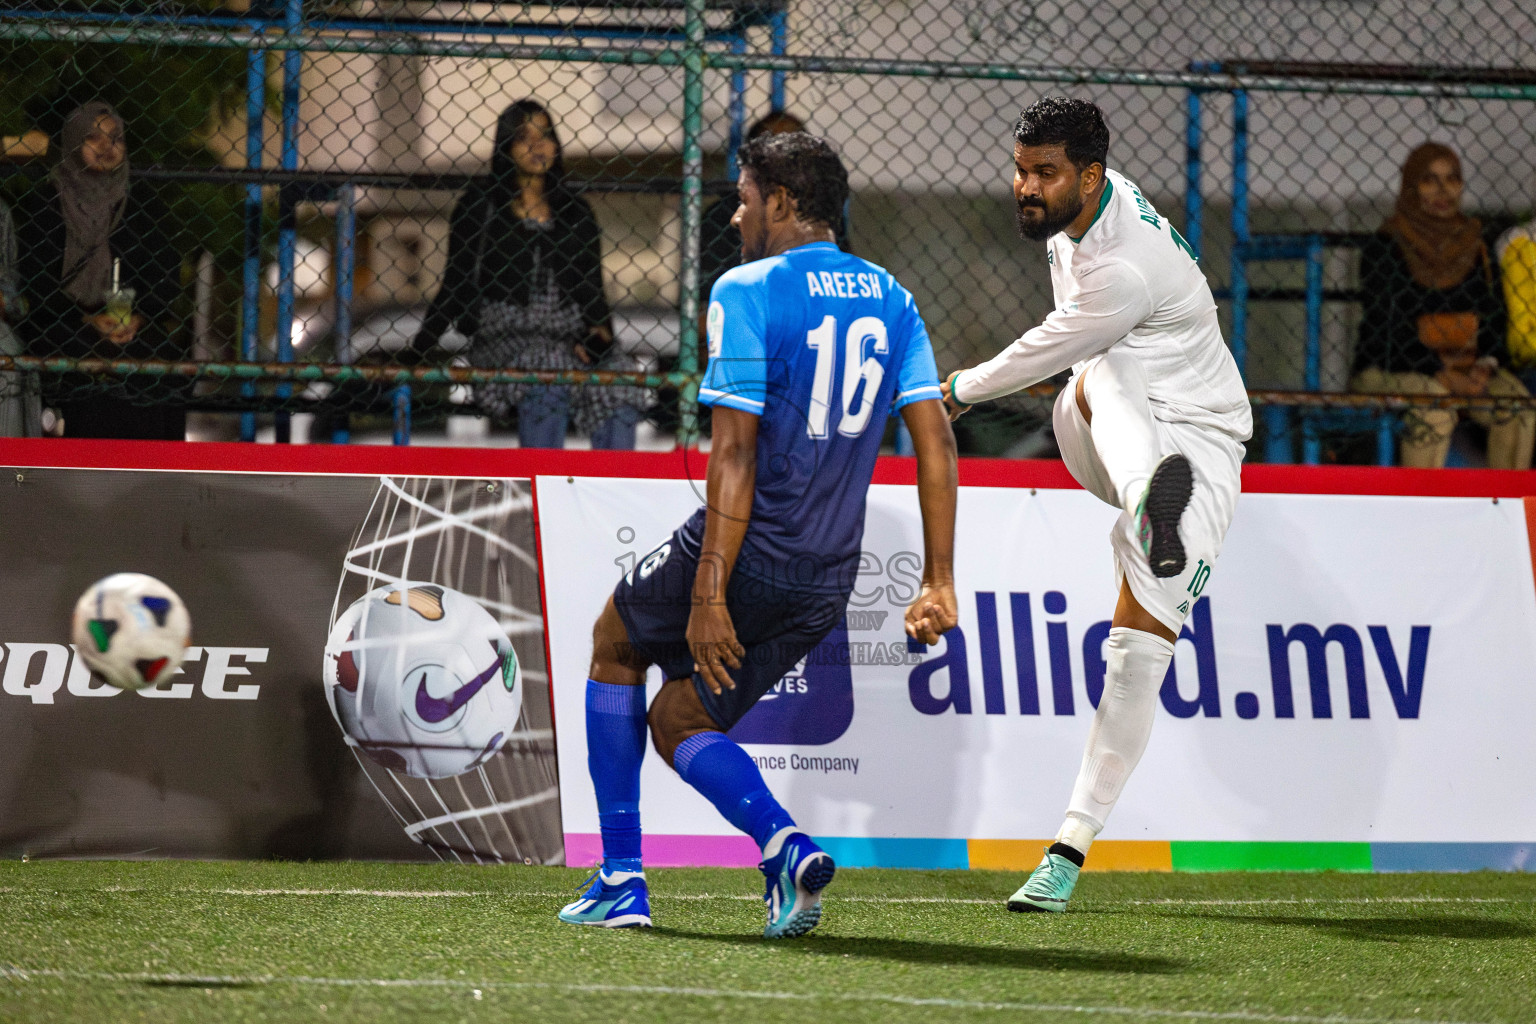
{"x":623,"y":902}
{"x":796,"y":873}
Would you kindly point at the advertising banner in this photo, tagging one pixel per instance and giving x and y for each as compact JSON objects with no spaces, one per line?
{"x":1355,"y":688}
{"x":240,"y":753}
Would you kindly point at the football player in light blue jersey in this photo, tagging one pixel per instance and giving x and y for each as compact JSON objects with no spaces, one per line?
{"x":811,"y":351}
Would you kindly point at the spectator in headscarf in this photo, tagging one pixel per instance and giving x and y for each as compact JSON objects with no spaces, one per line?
{"x":524,"y":281}
{"x":1433,"y":318}
{"x":83,"y":226}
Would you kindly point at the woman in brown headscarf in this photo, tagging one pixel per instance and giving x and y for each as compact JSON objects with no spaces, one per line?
{"x":78,"y":225}
{"x":1433,"y":318}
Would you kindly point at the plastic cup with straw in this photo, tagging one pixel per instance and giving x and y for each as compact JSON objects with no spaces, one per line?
{"x":119,"y":305}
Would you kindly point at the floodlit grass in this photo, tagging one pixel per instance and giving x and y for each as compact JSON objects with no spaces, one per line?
{"x":178,"y":941}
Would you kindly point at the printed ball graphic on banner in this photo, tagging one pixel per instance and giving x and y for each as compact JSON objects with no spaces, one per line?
{"x":422,"y":679}
{"x":131,"y":630}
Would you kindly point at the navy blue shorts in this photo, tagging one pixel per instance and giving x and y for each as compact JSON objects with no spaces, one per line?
{"x":777,"y":626}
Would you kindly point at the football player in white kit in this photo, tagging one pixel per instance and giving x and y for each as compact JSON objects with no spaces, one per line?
{"x":1153,"y":422}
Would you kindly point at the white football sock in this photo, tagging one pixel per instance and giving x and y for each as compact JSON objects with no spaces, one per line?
{"x":1124,"y":433}
{"x":1135,"y":664}
{"x":1078,"y":834}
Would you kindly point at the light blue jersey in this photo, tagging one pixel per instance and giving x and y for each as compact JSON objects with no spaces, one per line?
{"x":823,"y":347}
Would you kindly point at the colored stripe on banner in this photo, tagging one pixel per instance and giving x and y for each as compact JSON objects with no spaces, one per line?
{"x":585,"y":849}
{"x":1188,"y":856}
{"x":1530,"y":531}
{"x":1453,"y":856}
{"x":1106,"y":855}
{"x":671,"y":851}
{"x":928,"y":854}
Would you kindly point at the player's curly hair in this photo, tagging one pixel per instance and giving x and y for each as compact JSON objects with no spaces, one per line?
{"x":806,"y":167}
{"x":1076,"y":125}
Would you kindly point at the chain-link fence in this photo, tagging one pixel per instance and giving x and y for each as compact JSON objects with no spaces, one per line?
{"x":338,"y":210}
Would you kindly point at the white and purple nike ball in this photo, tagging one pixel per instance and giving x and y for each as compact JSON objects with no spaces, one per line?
{"x":422,"y":679}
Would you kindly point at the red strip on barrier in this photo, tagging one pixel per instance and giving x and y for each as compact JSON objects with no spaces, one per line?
{"x":1530,"y":531}
{"x":366,"y":460}
{"x":372,"y":460}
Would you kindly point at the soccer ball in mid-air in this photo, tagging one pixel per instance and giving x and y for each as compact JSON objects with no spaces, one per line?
{"x":422,"y":679}
{"x":131,"y":630}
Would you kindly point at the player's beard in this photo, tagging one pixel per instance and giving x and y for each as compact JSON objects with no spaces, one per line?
{"x":1054,"y":219}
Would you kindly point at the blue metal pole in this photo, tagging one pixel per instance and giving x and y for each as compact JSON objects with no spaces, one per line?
{"x":346,"y":267}
{"x":738,"y":110}
{"x":1384,"y":452}
{"x":346,"y":257}
{"x":1312,"y":448}
{"x":1311,"y":443}
{"x":1277,"y":435}
{"x":1314,"y":372}
{"x":255,"y":115}
{"x":1193,"y":205}
{"x":780,"y":23}
{"x":1240,"y":236}
{"x":402,"y":403}
{"x":287,"y":232}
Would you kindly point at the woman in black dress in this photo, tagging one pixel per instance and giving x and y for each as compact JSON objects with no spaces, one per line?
{"x":524,"y":281}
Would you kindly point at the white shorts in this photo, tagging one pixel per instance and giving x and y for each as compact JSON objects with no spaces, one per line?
{"x":1216,"y":459}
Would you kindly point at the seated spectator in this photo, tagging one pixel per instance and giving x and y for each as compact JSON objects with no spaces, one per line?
{"x":524,"y":282}
{"x":80,"y":229}
{"x":20,"y":413}
{"x":1516,"y":251}
{"x":1433,"y":318}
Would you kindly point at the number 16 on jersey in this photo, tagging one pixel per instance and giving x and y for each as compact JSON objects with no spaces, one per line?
{"x":866,"y":334}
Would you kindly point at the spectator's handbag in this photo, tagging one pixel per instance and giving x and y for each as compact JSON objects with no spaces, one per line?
{"x":1453,"y":337}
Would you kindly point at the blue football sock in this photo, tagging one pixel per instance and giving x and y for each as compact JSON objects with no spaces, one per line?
{"x":715,"y":766}
{"x":615,"y":748}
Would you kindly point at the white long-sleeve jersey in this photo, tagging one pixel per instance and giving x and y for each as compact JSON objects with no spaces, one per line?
{"x":1132,"y":281}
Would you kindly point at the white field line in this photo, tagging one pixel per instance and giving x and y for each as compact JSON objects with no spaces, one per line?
{"x":1326,"y":900}
{"x":475,"y":988}
{"x":831,"y":898}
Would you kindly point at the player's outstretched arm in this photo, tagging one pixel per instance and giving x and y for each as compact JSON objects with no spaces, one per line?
{"x":935,"y":609}
{"x":952,"y":405}
{"x":729,"y":485}
{"x":1112,"y":298}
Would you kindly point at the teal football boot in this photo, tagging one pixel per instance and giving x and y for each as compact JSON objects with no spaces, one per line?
{"x":1048,"y":888}
{"x":624,"y":904}
{"x":795,"y":876}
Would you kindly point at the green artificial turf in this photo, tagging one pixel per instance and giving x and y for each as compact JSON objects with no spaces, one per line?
{"x":226,"y":941}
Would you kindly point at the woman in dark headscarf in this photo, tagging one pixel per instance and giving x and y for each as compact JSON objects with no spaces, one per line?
{"x":524,"y":281}
{"x":1433,"y":318}
{"x":82,"y":229}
